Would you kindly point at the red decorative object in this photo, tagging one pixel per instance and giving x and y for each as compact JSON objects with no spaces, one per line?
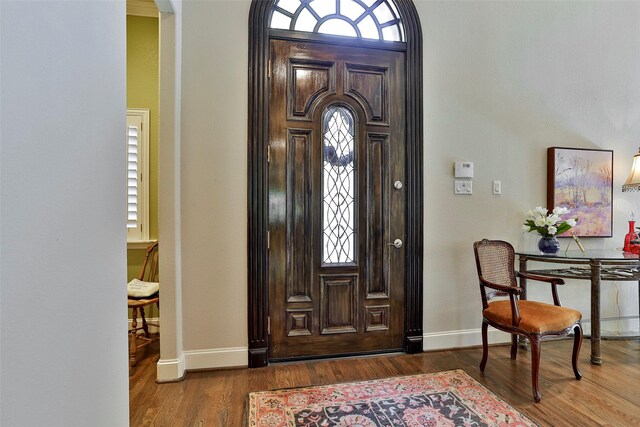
{"x":631,"y":235}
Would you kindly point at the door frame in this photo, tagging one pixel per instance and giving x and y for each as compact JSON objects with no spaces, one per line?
{"x":257,"y":162}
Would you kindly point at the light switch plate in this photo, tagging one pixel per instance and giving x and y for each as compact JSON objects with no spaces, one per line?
{"x":497,"y":187}
{"x":462,"y":187}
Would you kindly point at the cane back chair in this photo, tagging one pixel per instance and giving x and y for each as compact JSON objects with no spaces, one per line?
{"x":533,"y":320}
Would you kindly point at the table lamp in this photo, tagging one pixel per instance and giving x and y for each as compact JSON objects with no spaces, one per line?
{"x":633,"y":181}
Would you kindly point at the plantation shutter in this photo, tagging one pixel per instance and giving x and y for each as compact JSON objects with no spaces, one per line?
{"x":134,"y":176}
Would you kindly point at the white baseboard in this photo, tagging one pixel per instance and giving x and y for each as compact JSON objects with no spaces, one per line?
{"x":216,"y":358}
{"x":174,"y":369}
{"x":462,"y":338}
{"x":169,"y":370}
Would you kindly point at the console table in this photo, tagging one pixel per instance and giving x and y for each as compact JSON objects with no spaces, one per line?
{"x":593,"y":265}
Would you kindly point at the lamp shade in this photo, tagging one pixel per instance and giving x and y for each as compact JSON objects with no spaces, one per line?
{"x":633,"y":182}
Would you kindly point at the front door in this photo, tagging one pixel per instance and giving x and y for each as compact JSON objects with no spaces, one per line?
{"x":336,"y":200}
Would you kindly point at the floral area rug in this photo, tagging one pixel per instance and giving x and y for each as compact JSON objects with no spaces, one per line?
{"x":449,"y":398}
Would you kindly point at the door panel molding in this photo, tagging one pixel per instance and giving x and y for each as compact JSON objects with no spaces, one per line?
{"x":357,"y":80}
{"x":257,"y":161}
{"x":298,"y":220}
{"x":302,"y":96}
{"x":377,"y":155}
{"x":339,"y":294}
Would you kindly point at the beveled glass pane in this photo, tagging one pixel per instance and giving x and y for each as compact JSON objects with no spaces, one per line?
{"x":338,"y":190}
{"x":306,"y":21}
{"x":369,"y":2}
{"x":278,"y":20}
{"x":338,"y":27}
{"x":288,"y":5}
{"x":383,"y":13}
{"x":368,"y":29}
{"x":323,"y":7}
{"x":350,"y":9}
{"x":391,"y":34}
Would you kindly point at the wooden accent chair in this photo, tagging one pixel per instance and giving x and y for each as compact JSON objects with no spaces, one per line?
{"x":148,"y":273}
{"x":533,"y":320}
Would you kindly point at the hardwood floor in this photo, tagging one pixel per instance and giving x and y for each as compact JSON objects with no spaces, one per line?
{"x":607,"y":395}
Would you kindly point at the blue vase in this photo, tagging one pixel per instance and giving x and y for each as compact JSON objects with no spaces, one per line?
{"x":549,"y":245}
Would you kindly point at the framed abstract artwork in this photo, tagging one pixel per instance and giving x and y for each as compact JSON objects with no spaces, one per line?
{"x":581,"y":180}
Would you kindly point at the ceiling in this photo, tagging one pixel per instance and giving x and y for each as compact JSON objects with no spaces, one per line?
{"x":142,"y":8}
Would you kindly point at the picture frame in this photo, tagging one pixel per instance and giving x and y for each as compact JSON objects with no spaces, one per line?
{"x":581,"y":180}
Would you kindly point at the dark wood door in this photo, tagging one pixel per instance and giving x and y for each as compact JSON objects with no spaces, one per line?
{"x":336,"y":200}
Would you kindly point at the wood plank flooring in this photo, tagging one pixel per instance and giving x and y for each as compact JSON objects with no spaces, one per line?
{"x":607,"y":395}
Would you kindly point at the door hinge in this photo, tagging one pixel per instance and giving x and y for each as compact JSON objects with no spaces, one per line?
{"x":269,"y":69}
{"x":268,"y":325}
{"x":268,"y":240}
{"x":268,"y":153}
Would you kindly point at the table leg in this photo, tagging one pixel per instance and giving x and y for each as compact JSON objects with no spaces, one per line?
{"x":596,"y":358}
{"x":523,"y":296}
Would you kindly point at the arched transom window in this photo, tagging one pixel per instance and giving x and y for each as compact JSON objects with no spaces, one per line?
{"x":364,"y":19}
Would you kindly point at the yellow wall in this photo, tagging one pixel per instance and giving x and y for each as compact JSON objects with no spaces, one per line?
{"x":142,"y":92}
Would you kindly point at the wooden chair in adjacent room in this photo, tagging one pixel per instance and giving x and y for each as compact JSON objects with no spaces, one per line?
{"x":148,"y":274}
{"x":533,"y":320}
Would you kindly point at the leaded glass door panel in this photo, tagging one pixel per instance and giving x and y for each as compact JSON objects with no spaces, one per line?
{"x":336,"y":156}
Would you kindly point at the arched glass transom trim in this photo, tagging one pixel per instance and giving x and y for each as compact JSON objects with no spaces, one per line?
{"x":338,"y":186}
{"x":363,"y":19}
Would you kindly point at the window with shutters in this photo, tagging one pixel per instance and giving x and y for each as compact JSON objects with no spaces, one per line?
{"x":137,"y":174}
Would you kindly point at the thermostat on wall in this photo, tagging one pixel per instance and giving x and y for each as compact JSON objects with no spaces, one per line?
{"x":463,"y":170}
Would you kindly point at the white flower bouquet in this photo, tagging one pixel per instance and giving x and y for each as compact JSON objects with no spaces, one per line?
{"x":548,"y":224}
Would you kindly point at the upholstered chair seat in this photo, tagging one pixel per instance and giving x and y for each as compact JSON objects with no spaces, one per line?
{"x":537,"y":317}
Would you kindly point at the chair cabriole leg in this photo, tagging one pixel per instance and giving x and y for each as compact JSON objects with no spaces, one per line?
{"x":534,"y":341}
{"x":485,"y":346}
{"x":577,"y":343}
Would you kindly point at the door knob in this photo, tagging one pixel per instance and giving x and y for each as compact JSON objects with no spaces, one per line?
{"x":397,"y":243}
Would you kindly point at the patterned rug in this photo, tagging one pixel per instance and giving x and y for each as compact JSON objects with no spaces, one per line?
{"x":450,"y":398}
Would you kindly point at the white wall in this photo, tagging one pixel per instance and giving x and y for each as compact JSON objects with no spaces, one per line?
{"x":63,"y":348}
{"x":171,"y":364}
{"x":502,"y":82}
{"x":214,"y":182}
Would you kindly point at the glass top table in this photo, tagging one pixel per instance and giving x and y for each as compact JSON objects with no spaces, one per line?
{"x":593,"y":265}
